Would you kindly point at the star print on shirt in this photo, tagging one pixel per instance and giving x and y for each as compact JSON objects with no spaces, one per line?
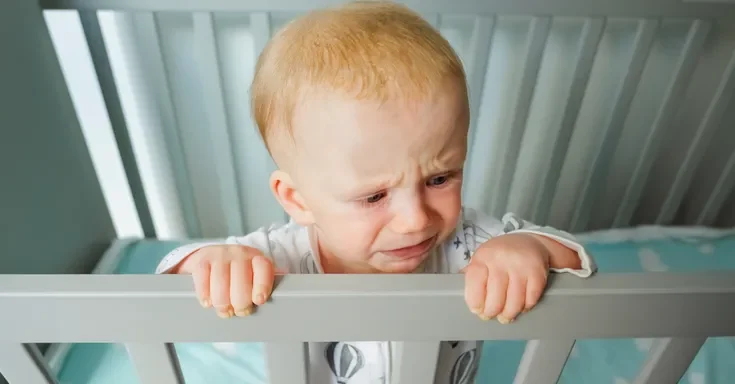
{"x":457,"y":243}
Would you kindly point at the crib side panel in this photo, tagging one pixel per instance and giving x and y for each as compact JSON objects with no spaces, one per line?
{"x":149,"y":309}
{"x":554,"y":87}
{"x":145,"y":312}
{"x":53,"y":214}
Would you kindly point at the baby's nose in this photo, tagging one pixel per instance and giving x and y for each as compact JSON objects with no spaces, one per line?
{"x":411,"y":220}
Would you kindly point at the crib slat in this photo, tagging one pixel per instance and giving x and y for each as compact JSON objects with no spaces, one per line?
{"x":724,"y":186}
{"x":543,"y":361}
{"x":684,"y":69}
{"x":260,"y":25}
{"x":700,"y":143}
{"x":476,"y":68}
{"x":598,"y":169}
{"x":286,"y":362}
{"x":511,"y":138}
{"x":151,"y":50}
{"x":155,"y":363}
{"x":479,"y":51}
{"x":96,"y":43}
{"x":209,"y":72}
{"x":669,"y":359}
{"x":590,"y":40}
{"x":417,"y":362}
{"x":24,"y":364}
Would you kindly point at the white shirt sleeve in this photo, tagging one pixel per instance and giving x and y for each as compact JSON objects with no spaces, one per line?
{"x":477,"y":228}
{"x":286,"y":245}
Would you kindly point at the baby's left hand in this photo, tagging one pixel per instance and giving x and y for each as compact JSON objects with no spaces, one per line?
{"x":506,"y":276}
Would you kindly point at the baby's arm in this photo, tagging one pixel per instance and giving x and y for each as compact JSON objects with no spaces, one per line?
{"x":510,"y":261}
{"x":566,"y":253}
{"x":234,"y":274}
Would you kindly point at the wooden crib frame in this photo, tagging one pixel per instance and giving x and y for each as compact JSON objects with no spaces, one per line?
{"x":145,"y":312}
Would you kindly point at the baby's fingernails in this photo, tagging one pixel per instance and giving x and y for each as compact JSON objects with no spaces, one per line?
{"x":503,"y":320}
{"x":477,"y":310}
{"x":225,"y":312}
{"x":244,"y":312}
{"x":260,"y":299}
{"x":483,"y":317}
{"x":205,"y":303}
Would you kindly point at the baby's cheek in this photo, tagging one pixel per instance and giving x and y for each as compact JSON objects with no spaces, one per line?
{"x":447,"y":205}
{"x":366,"y":236}
{"x":356,"y":238}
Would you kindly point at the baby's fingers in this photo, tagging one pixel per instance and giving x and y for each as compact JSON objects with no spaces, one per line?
{"x":220,"y":288}
{"x":241,"y":286}
{"x":515,"y":300}
{"x":263,"y":276}
{"x":497,"y":288}
{"x":474,"y":287}
{"x":201,"y":283}
{"x":534,"y":290}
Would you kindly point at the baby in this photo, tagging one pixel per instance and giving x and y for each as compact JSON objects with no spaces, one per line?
{"x":364,"y":109}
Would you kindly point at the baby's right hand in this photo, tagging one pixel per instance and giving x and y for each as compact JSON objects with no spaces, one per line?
{"x":230,"y":277}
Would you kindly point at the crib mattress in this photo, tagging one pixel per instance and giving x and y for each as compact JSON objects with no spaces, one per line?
{"x":652,"y":249}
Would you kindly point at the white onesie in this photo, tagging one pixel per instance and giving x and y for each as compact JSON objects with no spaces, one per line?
{"x":293,"y":249}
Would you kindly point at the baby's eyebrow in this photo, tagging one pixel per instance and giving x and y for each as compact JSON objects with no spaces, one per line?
{"x":448,"y":164}
{"x":368,"y":188}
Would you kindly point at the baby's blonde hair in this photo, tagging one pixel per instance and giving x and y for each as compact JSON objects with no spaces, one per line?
{"x":365,"y":49}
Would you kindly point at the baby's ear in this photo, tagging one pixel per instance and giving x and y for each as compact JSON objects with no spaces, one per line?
{"x":283,"y":188}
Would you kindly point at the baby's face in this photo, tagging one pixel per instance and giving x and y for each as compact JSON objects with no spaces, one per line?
{"x":382,"y":181}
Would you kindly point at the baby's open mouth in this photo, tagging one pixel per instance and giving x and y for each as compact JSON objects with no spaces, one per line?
{"x":412,"y":250}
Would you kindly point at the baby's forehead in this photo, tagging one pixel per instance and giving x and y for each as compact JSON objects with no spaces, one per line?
{"x":328,"y":120}
{"x":353,"y":121}
{"x":357,"y":124}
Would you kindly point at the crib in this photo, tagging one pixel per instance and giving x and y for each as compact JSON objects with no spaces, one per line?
{"x":611,"y":120}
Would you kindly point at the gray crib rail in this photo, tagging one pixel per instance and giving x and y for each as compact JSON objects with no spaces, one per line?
{"x":147,"y":312}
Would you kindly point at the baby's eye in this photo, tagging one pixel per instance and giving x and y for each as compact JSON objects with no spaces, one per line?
{"x":375,"y":198}
{"x":438,"y":180}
